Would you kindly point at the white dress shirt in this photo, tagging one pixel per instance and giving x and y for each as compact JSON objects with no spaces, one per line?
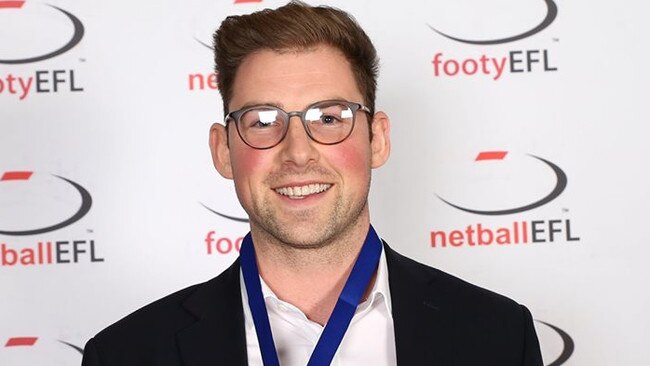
{"x":370,"y":339}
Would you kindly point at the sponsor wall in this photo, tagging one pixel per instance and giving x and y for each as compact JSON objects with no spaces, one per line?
{"x":519,"y":135}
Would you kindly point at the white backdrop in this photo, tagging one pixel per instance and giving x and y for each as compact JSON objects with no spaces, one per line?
{"x":124,"y":114}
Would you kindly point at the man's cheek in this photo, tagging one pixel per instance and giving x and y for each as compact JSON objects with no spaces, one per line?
{"x":349,"y":157}
{"x":248,"y":174}
{"x":246,"y":162}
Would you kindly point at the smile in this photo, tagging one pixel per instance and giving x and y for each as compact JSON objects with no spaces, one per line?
{"x":301,"y":192}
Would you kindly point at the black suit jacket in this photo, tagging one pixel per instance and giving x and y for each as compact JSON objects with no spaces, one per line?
{"x":439,"y":320}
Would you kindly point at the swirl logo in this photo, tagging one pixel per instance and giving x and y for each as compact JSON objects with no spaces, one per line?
{"x":16,"y":9}
{"x":8,"y":182}
{"x":39,"y":351}
{"x":558,"y":188}
{"x":551,"y":14}
{"x":568,"y":345}
{"x":229,"y":217}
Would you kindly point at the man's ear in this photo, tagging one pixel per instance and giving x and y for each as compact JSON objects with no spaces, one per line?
{"x":220,"y":150}
{"x":380,"y":144}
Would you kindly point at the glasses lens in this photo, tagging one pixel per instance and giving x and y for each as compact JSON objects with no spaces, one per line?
{"x":330,"y":122}
{"x":262,"y":127}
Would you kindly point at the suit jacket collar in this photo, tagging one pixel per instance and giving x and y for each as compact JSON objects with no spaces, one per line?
{"x":422,"y":321}
{"x":218,"y":337}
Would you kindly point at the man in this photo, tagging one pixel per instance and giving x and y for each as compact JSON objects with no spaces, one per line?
{"x":314,"y":284}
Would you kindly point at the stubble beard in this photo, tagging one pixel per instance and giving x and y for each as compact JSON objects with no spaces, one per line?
{"x":305,"y":231}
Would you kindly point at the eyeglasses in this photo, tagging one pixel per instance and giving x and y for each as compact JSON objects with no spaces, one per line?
{"x":327,"y":122}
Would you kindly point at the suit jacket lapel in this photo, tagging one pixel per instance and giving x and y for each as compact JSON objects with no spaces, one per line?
{"x":421,"y":316}
{"x":219,"y":332}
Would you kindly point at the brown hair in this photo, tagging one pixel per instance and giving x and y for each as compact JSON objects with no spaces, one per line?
{"x":295,"y":26}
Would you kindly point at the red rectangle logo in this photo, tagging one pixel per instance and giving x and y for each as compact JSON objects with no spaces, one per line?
{"x":11,"y":4}
{"x":21,"y":341}
{"x":491,"y":155}
{"x":16,"y":175}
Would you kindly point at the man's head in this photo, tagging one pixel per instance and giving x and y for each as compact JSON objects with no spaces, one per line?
{"x":300,"y":191}
{"x":290,"y":28}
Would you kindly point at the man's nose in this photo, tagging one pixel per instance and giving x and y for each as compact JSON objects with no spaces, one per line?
{"x":297,"y":147}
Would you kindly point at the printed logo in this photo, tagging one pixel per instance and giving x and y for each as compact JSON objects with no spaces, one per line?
{"x":481,"y":234}
{"x":39,"y":351}
{"x":568,"y":345}
{"x":32,"y":204}
{"x":560,"y":185}
{"x":551,"y":13}
{"x":494,"y":67}
{"x":43,"y":81}
{"x":24,"y":176}
{"x":76,"y":36}
{"x":482,"y":63}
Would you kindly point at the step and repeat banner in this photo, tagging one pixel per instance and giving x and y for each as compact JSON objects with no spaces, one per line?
{"x":520,"y":143}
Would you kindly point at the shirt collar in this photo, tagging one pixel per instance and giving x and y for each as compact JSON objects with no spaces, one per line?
{"x":380,"y":291}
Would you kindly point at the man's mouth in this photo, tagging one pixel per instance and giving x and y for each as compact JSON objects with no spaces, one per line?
{"x":300,"y":192}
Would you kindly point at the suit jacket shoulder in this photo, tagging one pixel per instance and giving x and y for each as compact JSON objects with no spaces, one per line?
{"x":440,"y":319}
{"x":200,"y":325}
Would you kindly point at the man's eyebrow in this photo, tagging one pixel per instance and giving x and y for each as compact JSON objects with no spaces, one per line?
{"x":261,"y":104}
{"x":256,"y":103}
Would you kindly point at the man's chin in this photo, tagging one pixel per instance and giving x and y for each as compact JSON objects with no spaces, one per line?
{"x":305,"y":237}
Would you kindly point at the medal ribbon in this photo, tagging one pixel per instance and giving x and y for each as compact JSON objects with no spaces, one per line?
{"x":339,"y":321}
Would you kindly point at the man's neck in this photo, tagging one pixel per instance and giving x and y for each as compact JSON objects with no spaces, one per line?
{"x":311,"y":279}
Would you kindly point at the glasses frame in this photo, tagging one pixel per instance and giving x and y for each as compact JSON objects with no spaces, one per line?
{"x":354,"y":107}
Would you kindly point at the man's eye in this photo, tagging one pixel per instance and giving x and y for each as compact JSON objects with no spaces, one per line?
{"x":261,"y":124}
{"x":260,"y":119}
{"x":329,"y":119}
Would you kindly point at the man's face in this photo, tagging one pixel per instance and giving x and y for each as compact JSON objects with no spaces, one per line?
{"x":264,"y":179}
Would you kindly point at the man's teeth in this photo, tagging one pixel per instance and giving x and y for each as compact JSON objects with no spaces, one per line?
{"x":302,"y":191}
